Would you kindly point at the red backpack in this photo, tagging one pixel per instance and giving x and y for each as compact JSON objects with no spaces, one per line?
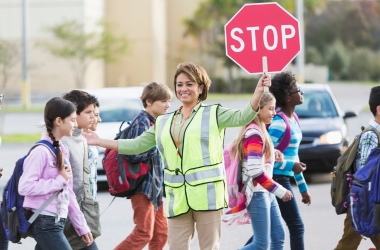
{"x":123,"y":176}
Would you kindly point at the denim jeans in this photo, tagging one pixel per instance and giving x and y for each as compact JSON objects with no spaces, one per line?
{"x":290,"y":214}
{"x":3,"y":237}
{"x":48,"y":234}
{"x":266,"y":222}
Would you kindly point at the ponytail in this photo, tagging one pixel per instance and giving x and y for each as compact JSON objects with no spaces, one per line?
{"x":58,"y":153}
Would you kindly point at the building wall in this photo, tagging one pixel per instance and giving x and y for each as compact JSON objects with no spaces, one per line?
{"x":48,"y":73}
{"x":155,"y":32}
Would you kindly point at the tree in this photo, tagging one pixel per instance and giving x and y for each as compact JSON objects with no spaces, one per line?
{"x":9,"y":55}
{"x":80,"y":48}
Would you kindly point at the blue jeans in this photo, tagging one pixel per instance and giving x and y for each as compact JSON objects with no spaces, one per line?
{"x":266,"y":222}
{"x":3,"y":237}
{"x":48,"y":234}
{"x":291,"y":215}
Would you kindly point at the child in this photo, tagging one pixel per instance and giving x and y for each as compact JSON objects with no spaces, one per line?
{"x":93,"y":153}
{"x":45,"y":174}
{"x":151,"y":225}
{"x":85,"y":104}
{"x":288,"y":94}
{"x":350,"y":239}
{"x":255,"y":149}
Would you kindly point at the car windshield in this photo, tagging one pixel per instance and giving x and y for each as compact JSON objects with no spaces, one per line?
{"x":118,"y":110}
{"x":316,"y":104}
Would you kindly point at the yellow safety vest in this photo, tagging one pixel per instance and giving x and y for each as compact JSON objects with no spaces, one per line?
{"x":195,"y":178}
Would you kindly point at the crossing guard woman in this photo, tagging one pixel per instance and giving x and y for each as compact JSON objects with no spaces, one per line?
{"x":190,"y":142}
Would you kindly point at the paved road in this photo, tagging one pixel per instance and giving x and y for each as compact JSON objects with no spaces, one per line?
{"x":323,"y":227}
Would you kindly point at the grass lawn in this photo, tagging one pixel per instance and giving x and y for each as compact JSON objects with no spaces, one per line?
{"x":17,"y":109}
{"x":21,"y":138}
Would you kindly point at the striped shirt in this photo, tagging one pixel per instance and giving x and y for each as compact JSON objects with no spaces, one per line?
{"x":276,"y":132}
{"x":368,"y":141}
{"x":254,"y":166}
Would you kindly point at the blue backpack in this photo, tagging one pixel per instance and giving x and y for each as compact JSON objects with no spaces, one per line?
{"x":364,"y":197}
{"x":16,"y":219}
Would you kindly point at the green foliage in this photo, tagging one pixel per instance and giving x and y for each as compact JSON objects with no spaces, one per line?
{"x":362,"y":60}
{"x":9,"y":56}
{"x":312,"y":55}
{"x":80,"y":48}
{"x":355,"y":23}
{"x":337,"y":59}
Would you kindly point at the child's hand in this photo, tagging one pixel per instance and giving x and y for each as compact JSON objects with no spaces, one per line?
{"x":66,"y":172}
{"x":288,"y":196}
{"x":299,"y":167}
{"x":278,"y":156}
{"x":306,"y":198}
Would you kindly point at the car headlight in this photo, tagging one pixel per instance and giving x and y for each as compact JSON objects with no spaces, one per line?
{"x":333,"y":137}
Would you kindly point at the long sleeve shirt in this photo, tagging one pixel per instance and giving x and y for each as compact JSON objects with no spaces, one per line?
{"x":276,"y":132}
{"x":226,"y":118}
{"x":41,"y":179}
{"x":368,"y":141}
{"x":256,"y":166}
{"x":151,"y":158}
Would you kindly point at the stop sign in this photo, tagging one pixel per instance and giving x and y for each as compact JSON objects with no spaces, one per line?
{"x":262,"y":30}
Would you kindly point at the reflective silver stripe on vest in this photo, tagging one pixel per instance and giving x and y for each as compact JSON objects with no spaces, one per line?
{"x":159,"y":144}
{"x":173,"y":178}
{"x":201,"y":175}
{"x":211,"y":196}
{"x":205,"y":126}
{"x":171,"y":203}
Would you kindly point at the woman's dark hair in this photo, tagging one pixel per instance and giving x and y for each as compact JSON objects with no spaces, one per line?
{"x":282,"y":85}
{"x":196,"y":73}
{"x":57,"y":107}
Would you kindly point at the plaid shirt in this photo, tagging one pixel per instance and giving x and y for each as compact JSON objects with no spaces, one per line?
{"x":368,"y":141}
{"x":150,"y":157}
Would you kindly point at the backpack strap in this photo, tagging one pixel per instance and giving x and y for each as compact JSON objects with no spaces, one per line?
{"x":52,"y":150}
{"x":373,"y":130}
{"x":285,"y":140}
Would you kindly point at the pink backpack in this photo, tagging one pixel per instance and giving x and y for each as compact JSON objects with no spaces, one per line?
{"x":233,"y":169}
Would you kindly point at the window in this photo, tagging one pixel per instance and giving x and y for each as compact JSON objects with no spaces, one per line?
{"x":317,"y":104}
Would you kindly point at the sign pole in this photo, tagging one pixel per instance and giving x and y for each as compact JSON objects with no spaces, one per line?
{"x":265,"y":70}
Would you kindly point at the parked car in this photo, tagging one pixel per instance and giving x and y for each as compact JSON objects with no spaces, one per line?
{"x":116,"y":105}
{"x":324,"y":128}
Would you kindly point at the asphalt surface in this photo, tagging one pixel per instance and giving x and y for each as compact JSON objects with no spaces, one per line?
{"x":322,"y":227}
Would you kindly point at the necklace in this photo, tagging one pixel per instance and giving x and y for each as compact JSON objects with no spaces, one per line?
{"x":178,"y":141}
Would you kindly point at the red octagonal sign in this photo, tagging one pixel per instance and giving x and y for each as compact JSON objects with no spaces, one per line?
{"x":262,"y":30}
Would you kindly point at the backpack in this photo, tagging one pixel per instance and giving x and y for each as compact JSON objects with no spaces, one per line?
{"x":16,"y":219}
{"x":342,"y":173}
{"x":364,"y":197}
{"x":285,"y":140}
{"x":233,"y":171}
{"x":123,"y":176}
